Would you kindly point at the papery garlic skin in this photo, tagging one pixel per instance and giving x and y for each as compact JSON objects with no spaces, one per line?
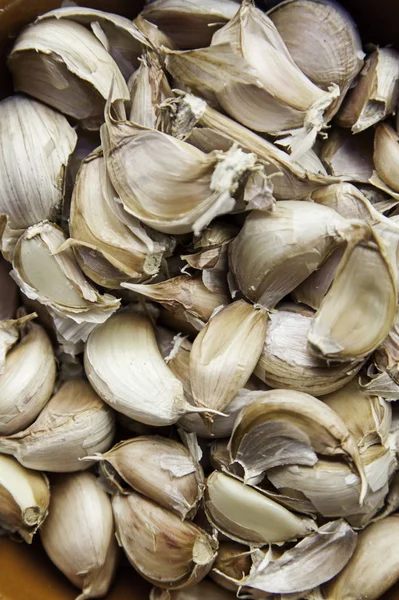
{"x":204,"y":589}
{"x":79,"y":533}
{"x":386,"y":154}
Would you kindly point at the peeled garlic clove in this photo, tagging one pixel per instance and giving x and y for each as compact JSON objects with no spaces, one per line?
{"x":74,"y":424}
{"x":386,"y":154}
{"x":233,"y":562}
{"x":166,"y":551}
{"x":204,"y":589}
{"x":27,"y":381}
{"x":247,"y":516}
{"x":376,"y":94}
{"x":61,"y":63}
{"x":125,"y":367}
{"x":119,"y":36}
{"x":374,"y":566}
{"x":182,"y":295}
{"x":9,"y":299}
{"x":224,"y":354}
{"x":188,"y":24}
{"x":24,"y":498}
{"x":255,"y":79}
{"x":78,"y":534}
{"x":289,"y":427}
{"x":307,"y":233}
{"x":36,"y":143}
{"x":359,"y":309}
{"x":56,"y":280}
{"x":286,"y":361}
{"x":161,"y":469}
{"x":347,"y":155}
{"x":123,"y":249}
{"x":311,"y":562}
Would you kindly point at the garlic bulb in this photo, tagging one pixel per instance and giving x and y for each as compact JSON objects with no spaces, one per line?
{"x":386,"y":154}
{"x":286,"y":361}
{"x":287,"y":427}
{"x":187,"y":23}
{"x":35,"y":143}
{"x":125,"y":367}
{"x":24,"y":498}
{"x":27,"y":381}
{"x":61,"y":63}
{"x":255,"y":79}
{"x":78,"y":534}
{"x":166,"y":551}
{"x":74,"y":424}
{"x":247,"y":516}
{"x":266,"y":271}
{"x":9,"y":299}
{"x":161,"y":469}
{"x":54,"y":278}
{"x":376,"y":94}
{"x":204,"y":589}
{"x":225,"y":353}
{"x":174,"y":187}
{"x":374,"y":566}
{"x":110,"y":245}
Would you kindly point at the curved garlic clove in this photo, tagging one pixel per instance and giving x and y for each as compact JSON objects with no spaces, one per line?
{"x":166,"y":551}
{"x":36,"y":143}
{"x":74,"y":424}
{"x":306,"y":232}
{"x":24,"y":498}
{"x":347,"y":155}
{"x":27,"y":381}
{"x":376,"y":94}
{"x":287,"y":427}
{"x":286,"y":361}
{"x":224,"y":354}
{"x":78,"y":534}
{"x":232,"y":564}
{"x":277,"y":98}
{"x":59,"y":50}
{"x":9,"y":300}
{"x":350,"y":323}
{"x":247,"y":516}
{"x":386,"y":154}
{"x":123,"y":249}
{"x":188,"y":24}
{"x":374,"y":566}
{"x":161,"y":469}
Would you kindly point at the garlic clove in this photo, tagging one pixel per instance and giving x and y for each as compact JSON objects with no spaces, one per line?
{"x":24,"y":498}
{"x":247,"y":516}
{"x":204,"y":589}
{"x":78,"y":534}
{"x":386,"y":154}
{"x":233,"y":563}
{"x":347,"y":155}
{"x":171,"y":553}
{"x":74,"y":424}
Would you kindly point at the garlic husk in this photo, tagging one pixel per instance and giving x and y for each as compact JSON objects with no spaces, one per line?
{"x":347,"y":155}
{"x":10,"y":331}
{"x":36,"y":143}
{"x":288,"y":427}
{"x":187,"y":23}
{"x":380,"y":384}
{"x":379,"y":199}
{"x":204,"y":589}
{"x":121,"y":38}
{"x":247,"y":516}
{"x":154,"y":35}
{"x":286,"y":361}
{"x":148,"y":88}
{"x":123,"y":249}
{"x":350,"y":323}
{"x":225,"y":353}
{"x":233,"y":562}
{"x":74,"y":424}
{"x":374,"y":566}
{"x":166,"y":551}
{"x":386,"y":154}
{"x":24,"y":498}
{"x":161,"y":469}
{"x":78,"y":534}
{"x":256,"y":80}
{"x":183,"y":296}
{"x":124,"y":365}
{"x":27,"y":381}
{"x":307,"y":233}
{"x":61,"y":63}
{"x":376,"y":94}
{"x":9,"y":300}
{"x":177,"y":188}
{"x":331,"y":52}
{"x":386,"y":357}
{"x":346,"y":200}
{"x":56,"y":280}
